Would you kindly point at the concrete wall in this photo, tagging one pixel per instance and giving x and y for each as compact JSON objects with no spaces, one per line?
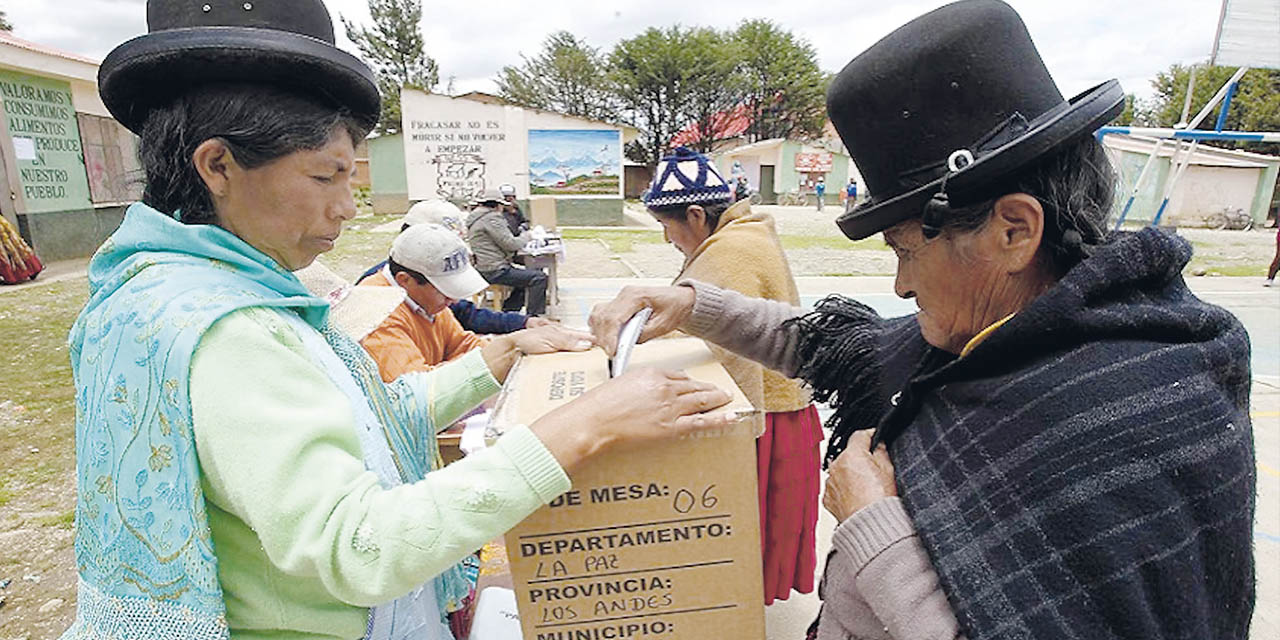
{"x":1265,"y":195}
{"x":1128,"y":165}
{"x":787,"y":178}
{"x":495,"y":133}
{"x":62,"y":235}
{"x":387,"y":175}
{"x":1203,"y":190}
{"x":589,"y":212}
{"x":81,"y":73}
{"x":782,"y":157}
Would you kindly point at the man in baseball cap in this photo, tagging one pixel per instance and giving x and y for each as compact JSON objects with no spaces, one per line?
{"x":433,"y":267}
{"x":472,"y":318}
{"x":441,"y":212}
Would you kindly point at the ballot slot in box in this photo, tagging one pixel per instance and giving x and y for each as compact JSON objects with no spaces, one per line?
{"x":661,"y":541}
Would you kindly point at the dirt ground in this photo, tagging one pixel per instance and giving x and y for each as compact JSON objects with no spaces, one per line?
{"x":37,"y":460}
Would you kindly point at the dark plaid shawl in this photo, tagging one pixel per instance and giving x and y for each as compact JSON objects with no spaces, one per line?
{"x":1087,"y":471}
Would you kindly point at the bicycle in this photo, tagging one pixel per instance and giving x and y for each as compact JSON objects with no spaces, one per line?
{"x":1228,"y":218}
{"x":793,"y":199}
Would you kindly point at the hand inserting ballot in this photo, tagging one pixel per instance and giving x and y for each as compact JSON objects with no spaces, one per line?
{"x":671,"y":307}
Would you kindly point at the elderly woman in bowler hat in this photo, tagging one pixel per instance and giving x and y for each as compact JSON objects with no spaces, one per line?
{"x":1057,"y":445}
{"x":242,"y":469}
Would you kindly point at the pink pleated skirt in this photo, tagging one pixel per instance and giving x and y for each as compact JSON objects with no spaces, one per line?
{"x":788,"y":461}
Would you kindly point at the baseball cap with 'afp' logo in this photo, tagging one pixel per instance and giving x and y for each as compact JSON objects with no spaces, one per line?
{"x":441,"y":256}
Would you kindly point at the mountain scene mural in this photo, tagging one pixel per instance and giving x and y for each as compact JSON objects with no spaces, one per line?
{"x":575,"y":162}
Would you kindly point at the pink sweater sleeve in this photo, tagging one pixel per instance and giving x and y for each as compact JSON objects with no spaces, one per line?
{"x":894,"y":575}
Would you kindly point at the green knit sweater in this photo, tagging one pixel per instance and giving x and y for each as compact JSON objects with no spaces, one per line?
{"x":305,"y":536}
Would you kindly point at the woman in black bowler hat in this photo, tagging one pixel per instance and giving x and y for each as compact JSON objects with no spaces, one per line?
{"x":1057,"y":445}
{"x":242,"y":469}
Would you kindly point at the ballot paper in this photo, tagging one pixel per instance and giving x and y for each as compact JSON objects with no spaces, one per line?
{"x":496,"y":617}
{"x":627,"y":339}
{"x":655,"y":541}
{"x":473,"y":433}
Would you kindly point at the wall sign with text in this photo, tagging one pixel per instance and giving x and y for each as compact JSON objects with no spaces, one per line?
{"x":46,"y":141}
{"x":817,"y":162}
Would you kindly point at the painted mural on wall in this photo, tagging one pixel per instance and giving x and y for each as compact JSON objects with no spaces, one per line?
{"x":566,"y":162}
{"x":46,"y":141}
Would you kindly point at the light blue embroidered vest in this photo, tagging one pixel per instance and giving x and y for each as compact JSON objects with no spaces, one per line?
{"x":143,"y":546}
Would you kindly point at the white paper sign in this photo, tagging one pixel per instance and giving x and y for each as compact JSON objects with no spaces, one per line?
{"x":24,"y":148}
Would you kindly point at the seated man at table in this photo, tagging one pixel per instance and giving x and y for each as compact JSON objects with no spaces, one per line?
{"x":473,"y":318}
{"x":495,"y":248}
{"x":433,"y":267}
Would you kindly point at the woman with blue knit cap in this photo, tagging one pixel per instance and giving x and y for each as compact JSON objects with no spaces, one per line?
{"x":242,"y":469}
{"x":738,"y":249}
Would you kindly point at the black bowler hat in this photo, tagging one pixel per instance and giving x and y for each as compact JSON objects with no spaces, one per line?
{"x":959,"y":93}
{"x":281,"y":43}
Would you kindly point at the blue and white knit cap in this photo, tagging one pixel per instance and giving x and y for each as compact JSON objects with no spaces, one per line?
{"x":686,"y":177}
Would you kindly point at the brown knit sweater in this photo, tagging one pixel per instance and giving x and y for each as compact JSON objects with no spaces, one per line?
{"x":744,"y":254}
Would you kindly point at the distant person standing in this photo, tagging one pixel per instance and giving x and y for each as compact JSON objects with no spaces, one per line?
{"x":1275,"y":262}
{"x":820,"y":190}
{"x":850,"y":195}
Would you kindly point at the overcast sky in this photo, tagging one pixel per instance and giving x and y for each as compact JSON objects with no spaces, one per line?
{"x":1082,"y":41}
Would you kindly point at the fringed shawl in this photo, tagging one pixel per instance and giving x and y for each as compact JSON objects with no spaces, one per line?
{"x":1088,"y":470}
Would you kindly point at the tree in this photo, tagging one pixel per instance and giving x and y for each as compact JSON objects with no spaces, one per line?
{"x":717,"y":84}
{"x":567,"y":76}
{"x":4,"y":22}
{"x":1255,"y":106}
{"x":394,"y":48}
{"x":783,"y":83}
{"x":1133,"y":114}
{"x":650,"y":75}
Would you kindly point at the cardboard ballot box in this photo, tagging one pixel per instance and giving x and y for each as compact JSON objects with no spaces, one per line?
{"x":657,"y":542}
